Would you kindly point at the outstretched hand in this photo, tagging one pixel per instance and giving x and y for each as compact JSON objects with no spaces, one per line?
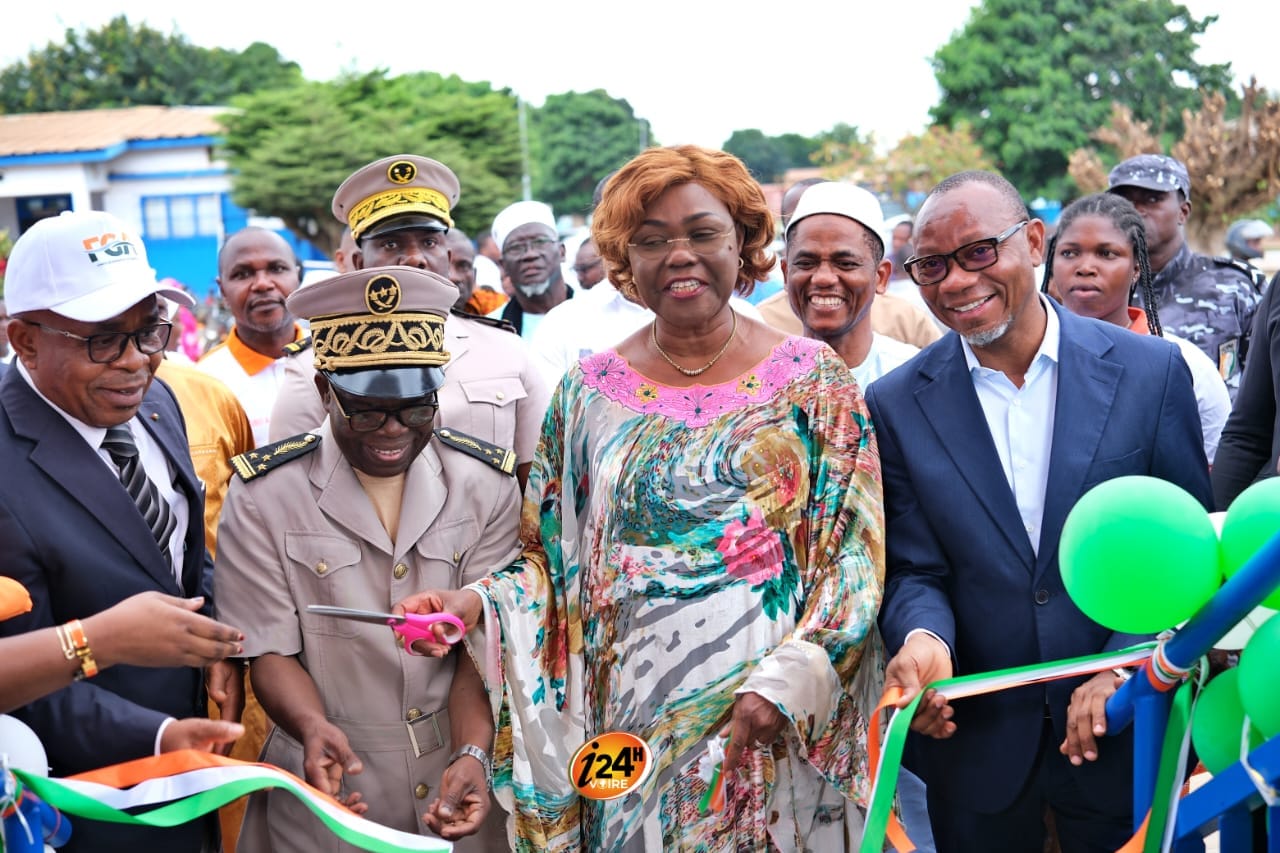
{"x":756,"y":723}
{"x":154,"y":629}
{"x":923,"y":660}
{"x":327,"y":757}
{"x":463,"y":603}
{"x":463,"y":802}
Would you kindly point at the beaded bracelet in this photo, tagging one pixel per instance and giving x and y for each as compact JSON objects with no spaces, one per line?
{"x":76,"y":645}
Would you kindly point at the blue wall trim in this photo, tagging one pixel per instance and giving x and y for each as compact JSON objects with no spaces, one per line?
{"x":176,"y":175}
{"x":111,"y":152}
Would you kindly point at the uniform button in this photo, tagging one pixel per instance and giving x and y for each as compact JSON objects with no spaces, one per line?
{"x":322,"y":567}
{"x":501,"y":396}
{"x":400,"y":571}
{"x":1042,"y":596}
{"x":421,"y":791}
{"x":457,"y":557}
{"x":413,"y":714}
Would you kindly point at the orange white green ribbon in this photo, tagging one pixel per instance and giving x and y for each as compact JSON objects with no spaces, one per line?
{"x":880,"y":821}
{"x":177,"y":787}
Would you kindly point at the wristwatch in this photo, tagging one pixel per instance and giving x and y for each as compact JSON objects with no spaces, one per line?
{"x":479,"y":755}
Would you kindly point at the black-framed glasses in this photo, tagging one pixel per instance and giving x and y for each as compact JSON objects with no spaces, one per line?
{"x":369,"y":420}
{"x":583,"y":269}
{"x":109,"y":346}
{"x":701,"y":242}
{"x":971,"y":257}
{"x":515,"y":250}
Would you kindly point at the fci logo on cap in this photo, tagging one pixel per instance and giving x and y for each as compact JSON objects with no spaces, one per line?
{"x":112,"y":246}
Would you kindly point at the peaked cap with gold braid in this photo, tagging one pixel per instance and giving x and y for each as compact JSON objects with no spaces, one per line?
{"x":394,"y":193}
{"x":379,"y":332}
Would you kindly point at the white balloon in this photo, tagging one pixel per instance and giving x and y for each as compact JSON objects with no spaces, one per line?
{"x":21,"y":748}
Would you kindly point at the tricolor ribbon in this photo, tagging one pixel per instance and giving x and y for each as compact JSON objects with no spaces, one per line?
{"x":881,"y":823}
{"x":178,"y":787}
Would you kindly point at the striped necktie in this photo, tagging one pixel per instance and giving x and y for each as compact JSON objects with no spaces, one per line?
{"x":155,"y":510}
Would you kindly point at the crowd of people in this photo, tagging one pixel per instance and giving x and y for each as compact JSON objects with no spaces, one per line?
{"x":654,"y":507}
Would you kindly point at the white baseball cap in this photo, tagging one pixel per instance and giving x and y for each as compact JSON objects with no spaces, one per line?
{"x":847,"y":200}
{"x":521,"y":213}
{"x":86,"y":266}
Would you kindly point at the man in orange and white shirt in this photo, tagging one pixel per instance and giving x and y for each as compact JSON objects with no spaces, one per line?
{"x":257,"y":270}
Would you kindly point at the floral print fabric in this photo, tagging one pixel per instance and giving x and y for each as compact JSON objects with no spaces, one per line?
{"x":684,"y":545}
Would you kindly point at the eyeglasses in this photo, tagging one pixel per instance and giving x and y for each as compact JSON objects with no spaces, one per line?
{"x":515,"y":250}
{"x":583,"y":269}
{"x":109,"y":346}
{"x":700,"y":242}
{"x":370,"y":420}
{"x":971,"y":257}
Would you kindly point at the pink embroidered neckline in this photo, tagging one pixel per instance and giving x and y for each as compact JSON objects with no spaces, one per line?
{"x":698,"y":405}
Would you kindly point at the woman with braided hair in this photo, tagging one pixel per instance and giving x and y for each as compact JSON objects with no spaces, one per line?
{"x":1096,"y":262}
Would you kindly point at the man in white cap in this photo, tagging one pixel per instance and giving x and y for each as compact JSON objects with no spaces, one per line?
{"x":531,"y":257}
{"x":99,"y":501}
{"x":833,"y":265}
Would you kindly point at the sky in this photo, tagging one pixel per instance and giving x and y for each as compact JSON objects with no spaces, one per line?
{"x":696,"y":70}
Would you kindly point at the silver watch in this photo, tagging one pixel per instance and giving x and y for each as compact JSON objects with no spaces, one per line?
{"x":479,"y":755}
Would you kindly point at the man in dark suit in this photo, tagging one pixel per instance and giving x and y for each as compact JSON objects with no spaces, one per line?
{"x":91,"y":514}
{"x":987,"y":438}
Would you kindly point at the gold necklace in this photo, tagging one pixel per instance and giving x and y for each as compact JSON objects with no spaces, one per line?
{"x":653,"y":333}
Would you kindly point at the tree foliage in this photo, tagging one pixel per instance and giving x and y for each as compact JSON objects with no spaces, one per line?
{"x":120,"y":65}
{"x":1033,"y":77}
{"x":1233,"y":163}
{"x":580,"y":138}
{"x":291,"y":148}
{"x":769,"y":157}
{"x":917,"y":163}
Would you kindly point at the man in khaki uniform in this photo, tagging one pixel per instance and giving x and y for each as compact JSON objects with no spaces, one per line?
{"x":398,"y":210}
{"x":368,"y":508}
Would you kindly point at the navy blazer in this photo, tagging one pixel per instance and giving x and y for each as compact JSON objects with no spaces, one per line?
{"x":70,"y":533}
{"x":960,"y":564}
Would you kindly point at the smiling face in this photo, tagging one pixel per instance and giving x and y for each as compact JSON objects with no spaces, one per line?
{"x":682,"y":286}
{"x":992,"y":307}
{"x":101,"y":395}
{"x":831,"y":275}
{"x":1094,"y":269}
{"x":387,"y":451}
{"x":257,"y":271}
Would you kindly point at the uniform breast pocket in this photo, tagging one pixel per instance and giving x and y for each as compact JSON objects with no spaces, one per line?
{"x":1117,"y":466}
{"x":440,"y":555}
{"x":325,"y":569}
{"x":491,"y":405}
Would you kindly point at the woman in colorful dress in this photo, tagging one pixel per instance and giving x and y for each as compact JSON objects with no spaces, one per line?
{"x":704,"y":558}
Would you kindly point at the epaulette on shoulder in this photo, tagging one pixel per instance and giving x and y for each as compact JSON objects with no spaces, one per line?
{"x":1255,"y":275}
{"x":495,"y":322}
{"x":267,"y":458}
{"x":298,"y":346}
{"x":499,"y":457}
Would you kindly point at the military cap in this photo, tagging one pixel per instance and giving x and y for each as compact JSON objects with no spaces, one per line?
{"x":379,"y":332}
{"x":395,"y":193}
{"x":1151,"y":172}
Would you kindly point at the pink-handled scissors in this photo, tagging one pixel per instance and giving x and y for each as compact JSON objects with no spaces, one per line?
{"x":411,"y":626}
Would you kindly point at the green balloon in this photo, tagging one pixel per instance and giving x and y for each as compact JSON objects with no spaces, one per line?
{"x":1259,"y":687}
{"x":1139,"y":555}
{"x":1252,"y":519}
{"x":1218,"y":723}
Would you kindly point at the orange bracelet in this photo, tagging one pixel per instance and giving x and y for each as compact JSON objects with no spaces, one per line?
{"x":80,"y":645}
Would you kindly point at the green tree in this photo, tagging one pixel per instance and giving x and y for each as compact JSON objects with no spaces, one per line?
{"x":1035,"y":77}
{"x":764,"y":156}
{"x":121,"y":65}
{"x":290,"y":148}
{"x":578,"y":139}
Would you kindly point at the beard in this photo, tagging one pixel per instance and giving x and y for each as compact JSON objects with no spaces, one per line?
{"x":537,"y":288}
{"x":989,"y":336}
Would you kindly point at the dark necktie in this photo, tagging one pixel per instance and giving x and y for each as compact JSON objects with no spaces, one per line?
{"x":155,"y":510}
